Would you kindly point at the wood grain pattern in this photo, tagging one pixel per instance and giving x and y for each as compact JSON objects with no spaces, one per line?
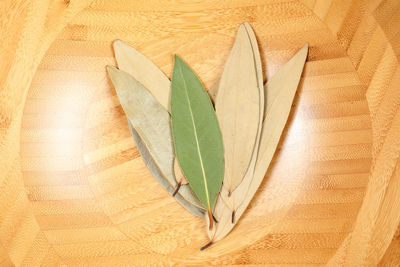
{"x":74,"y":190}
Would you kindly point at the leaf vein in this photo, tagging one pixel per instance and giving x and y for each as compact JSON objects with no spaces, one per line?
{"x":196,"y":138}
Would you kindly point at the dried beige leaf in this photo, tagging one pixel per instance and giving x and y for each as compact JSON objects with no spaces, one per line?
{"x":279,"y":91}
{"x":150,"y":120}
{"x":143,"y":70}
{"x":234,"y":199}
{"x":147,"y":73}
{"x":237,"y":108}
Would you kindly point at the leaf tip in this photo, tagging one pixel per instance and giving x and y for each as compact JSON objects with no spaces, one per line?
{"x":118,"y":46}
{"x":111,"y":69}
{"x":117,"y":42}
{"x":177,"y":59}
{"x":242,"y":28}
{"x":305,"y":47}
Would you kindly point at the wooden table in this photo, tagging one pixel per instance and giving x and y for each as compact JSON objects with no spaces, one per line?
{"x":79,"y":193}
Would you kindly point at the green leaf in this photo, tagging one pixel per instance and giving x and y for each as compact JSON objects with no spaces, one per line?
{"x":151,"y":129}
{"x":197,"y":136}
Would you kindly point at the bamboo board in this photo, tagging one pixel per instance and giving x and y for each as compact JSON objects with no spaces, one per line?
{"x":74,"y":190}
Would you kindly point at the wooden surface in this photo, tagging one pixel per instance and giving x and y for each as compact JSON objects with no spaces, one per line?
{"x":74,"y":190}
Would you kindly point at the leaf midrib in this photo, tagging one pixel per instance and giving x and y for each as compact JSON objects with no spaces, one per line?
{"x":196,"y":138}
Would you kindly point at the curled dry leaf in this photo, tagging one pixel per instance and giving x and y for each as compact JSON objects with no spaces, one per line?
{"x":238,"y":110}
{"x":151,"y":122}
{"x":279,"y":91}
{"x":196,"y":134}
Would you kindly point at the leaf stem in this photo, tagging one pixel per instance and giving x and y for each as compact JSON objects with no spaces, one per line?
{"x":177,"y":188}
{"x":215,"y":219}
{"x":210,"y":217}
{"x":206,"y":246}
